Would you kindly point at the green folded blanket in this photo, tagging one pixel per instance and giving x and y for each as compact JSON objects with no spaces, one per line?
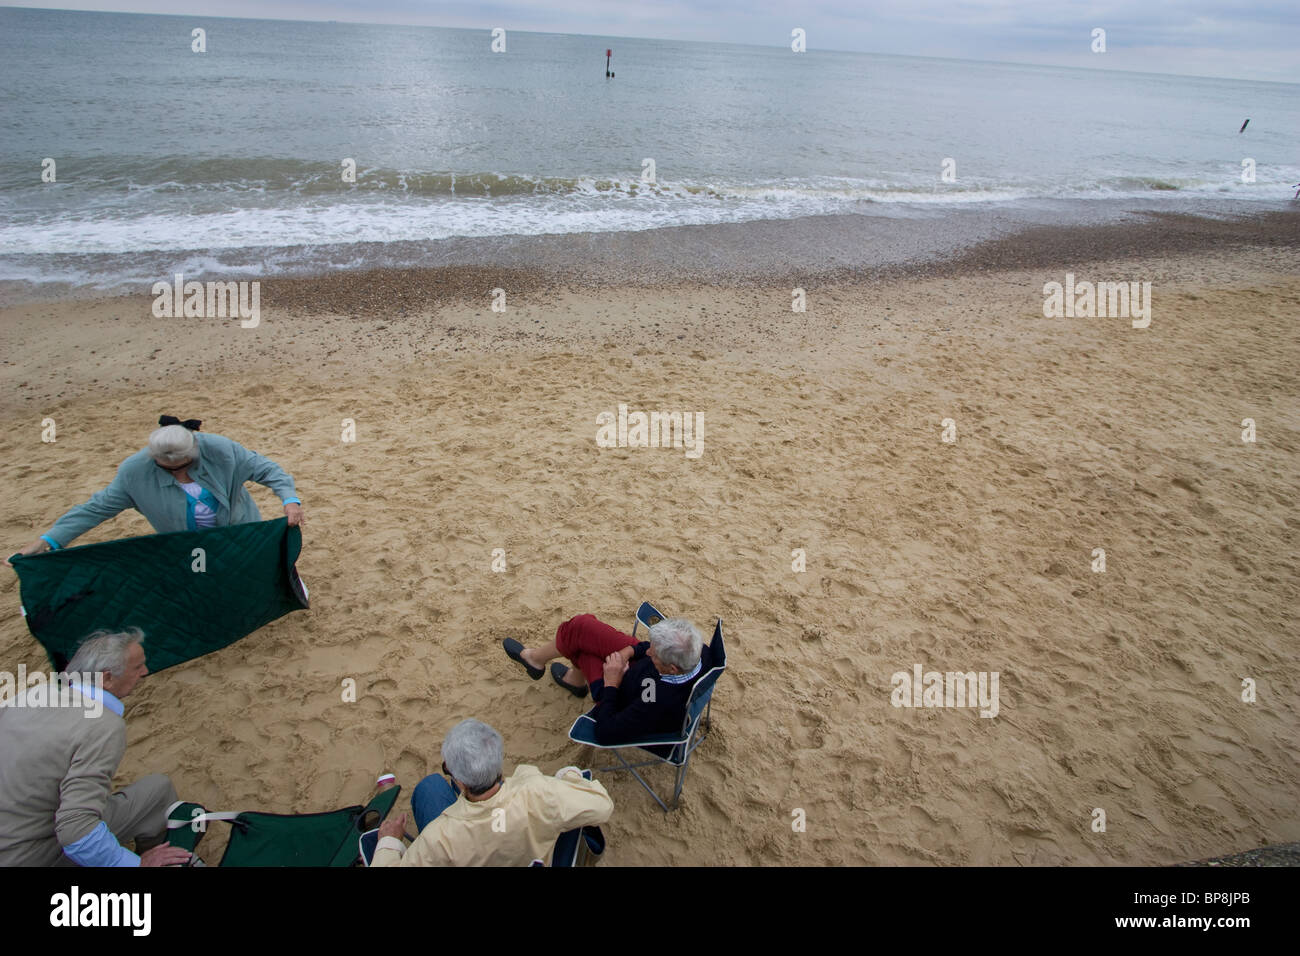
{"x":191,"y":592}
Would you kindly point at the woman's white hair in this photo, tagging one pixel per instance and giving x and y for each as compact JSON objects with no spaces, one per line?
{"x":677,"y":641}
{"x":105,"y":651}
{"x":473,"y":753}
{"x":173,"y":444}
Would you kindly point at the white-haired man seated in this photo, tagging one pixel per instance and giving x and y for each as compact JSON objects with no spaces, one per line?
{"x":183,"y":481}
{"x":57,"y":805}
{"x":640,"y":689}
{"x":476,"y":817}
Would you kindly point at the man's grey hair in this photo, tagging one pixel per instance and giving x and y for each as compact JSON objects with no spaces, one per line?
{"x":105,"y":651}
{"x":173,"y":444}
{"x":677,"y":641}
{"x":473,"y":753}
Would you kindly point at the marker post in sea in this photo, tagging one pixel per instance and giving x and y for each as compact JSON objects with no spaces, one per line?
{"x":608,"y":74}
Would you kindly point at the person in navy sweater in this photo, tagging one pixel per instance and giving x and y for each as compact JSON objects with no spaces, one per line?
{"x":639,"y":689}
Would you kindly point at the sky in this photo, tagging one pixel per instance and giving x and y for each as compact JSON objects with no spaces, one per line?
{"x":1241,"y":39}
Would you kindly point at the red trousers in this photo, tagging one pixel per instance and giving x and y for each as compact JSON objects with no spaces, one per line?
{"x":587,"y":641}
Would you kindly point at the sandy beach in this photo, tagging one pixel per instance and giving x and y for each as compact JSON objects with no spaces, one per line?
{"x":823,"y":432}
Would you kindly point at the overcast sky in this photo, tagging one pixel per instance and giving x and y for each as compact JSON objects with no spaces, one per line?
{"x":1247,"y":39}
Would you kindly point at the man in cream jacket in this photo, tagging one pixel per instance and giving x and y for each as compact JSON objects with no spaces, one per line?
{"x":479,"y":818}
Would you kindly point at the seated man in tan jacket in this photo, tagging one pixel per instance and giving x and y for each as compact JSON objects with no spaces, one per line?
{"x":481,"y":819}
{"x":57,"y":804}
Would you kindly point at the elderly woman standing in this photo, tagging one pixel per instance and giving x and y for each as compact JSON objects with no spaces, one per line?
{"x":183,"y":481}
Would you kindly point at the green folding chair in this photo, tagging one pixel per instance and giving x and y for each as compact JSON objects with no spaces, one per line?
{"x":291,"y":839}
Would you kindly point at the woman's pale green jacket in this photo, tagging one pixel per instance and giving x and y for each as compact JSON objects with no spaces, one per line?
{"x":222,"y":468}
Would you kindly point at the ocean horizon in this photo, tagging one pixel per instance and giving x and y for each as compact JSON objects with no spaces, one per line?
{"x":295,"y":148}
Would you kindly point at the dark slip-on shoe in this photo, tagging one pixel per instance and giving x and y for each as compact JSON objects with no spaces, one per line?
{"x":514,"y":651}
{"x":558,"y":671}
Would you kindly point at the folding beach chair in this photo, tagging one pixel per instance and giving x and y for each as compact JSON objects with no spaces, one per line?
{"x":672,"y":749}
{"x":275,"y":839}
{"x":582,"y":846}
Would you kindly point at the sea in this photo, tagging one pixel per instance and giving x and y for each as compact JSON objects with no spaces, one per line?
{"x":296,"y":148}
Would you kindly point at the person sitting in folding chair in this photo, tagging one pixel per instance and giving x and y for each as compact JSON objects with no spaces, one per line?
{"x":640,"y":689}
{"x":479,"y":818}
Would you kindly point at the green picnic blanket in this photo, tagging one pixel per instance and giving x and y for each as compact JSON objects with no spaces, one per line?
{"x":191,"y":592}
